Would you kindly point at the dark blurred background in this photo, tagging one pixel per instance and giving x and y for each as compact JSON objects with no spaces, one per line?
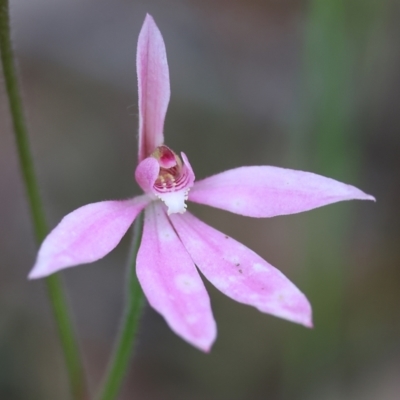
{"x":311,"y":85}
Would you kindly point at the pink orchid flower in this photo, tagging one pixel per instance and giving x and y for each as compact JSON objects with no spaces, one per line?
{"x":174,"y":242}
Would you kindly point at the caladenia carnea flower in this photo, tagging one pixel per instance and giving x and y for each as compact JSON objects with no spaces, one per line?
{"x":174,"y":241}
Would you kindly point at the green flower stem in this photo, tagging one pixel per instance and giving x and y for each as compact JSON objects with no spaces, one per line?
{"x":67,"y":336}
{"x":53,"y":283}
{"x":133,"y":307}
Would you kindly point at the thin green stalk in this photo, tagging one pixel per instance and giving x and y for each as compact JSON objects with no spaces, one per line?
{"x":53,"y":283}
{"x":133,"y":307}
{"x":68,"y":340}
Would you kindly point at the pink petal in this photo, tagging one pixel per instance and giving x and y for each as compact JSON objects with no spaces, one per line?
{"x":153,"y":85}
{"x":146,"y":174}
{"x":240,"y":273}
{"x":86,"y":235}
{"x":171,"y":282}
{"x":264,"y":191}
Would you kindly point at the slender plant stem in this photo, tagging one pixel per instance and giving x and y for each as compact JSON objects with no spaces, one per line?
{"x":68,"y":340}
{"x":53,"y":283}
{"x":133,"y":307}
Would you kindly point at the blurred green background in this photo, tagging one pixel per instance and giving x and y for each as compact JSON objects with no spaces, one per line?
{"x":311,"y":85}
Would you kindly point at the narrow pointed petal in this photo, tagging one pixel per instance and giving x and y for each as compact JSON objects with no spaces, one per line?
{"x":154,"y":89}
{"x":86,"y":235}
{"x":172,"y":283}
{"x":264,"y":191}
{"x":240,"y":273}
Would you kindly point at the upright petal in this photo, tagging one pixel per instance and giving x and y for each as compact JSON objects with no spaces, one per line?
{"x":153,"y":84}
{"x":86,"y":235}
{"x":171,"y":282}
{"x":240,"y":273}
{"x":264,"y":191}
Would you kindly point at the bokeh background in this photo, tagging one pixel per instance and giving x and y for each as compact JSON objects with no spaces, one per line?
{"x":311,"y":85}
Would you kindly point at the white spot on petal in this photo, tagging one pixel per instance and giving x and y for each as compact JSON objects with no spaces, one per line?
{"x":165,"y":234}
{"x":257,"y":267}
{"x":195,"y":243}
{"x":187,"y":284}
{"x":237,"y":204}
{"x":191,"y":319}
{"x":220,"y":283}
{"x":234,"y":260}
{"x":64,"y":259}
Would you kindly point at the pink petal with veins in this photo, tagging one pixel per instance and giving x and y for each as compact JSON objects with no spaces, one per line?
{"x":153,"y":85}
{"x":171,"y":282}
{"x":264,"y":191}
{"x":86,"y":235}
{"x":240,"y":273}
